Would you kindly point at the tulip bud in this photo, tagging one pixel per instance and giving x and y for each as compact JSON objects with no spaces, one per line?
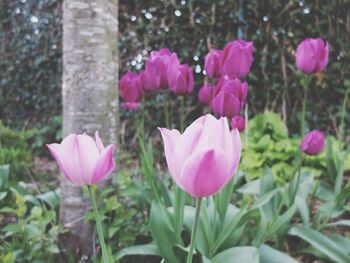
{"x":156,"y":68}
{"x":229,"y":97}
{"x":312,"y":143}
{"x":205,"y":94}
{"x":238,"y":122}
{"x":83,"y":160}
{"x":205,"y":157}
{"x":131,"y":88}
{"x":312,"y":55}
{"x":180,"y":77}
{"x":212,"y":63}
{"x":236,"y":59}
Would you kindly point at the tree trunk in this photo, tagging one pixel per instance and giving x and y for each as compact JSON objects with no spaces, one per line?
{"x":90,"y":100}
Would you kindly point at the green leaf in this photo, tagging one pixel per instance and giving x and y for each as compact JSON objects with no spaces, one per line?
{"x":281,"y":221}
{"x":223,"y":199}
{"x":52,"y":198}
{"x":267,"y":184}
{"x":270,"y":255}
{"x":251,"y":188}
{"x":12,"y":228}
{"x":4,"y":175}
{"x":261,"y":201}
{"x":147,"y":249}
{"x":303,"y":210}
{"x":239,"y":254}
{"x":339,"y":223}
{"x":163,"y":232}
{"x":321,"y":242}
{"x":2,"y":195}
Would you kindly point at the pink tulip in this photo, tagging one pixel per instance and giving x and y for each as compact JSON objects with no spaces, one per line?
{"x":236,"y":59}
{"x":205,"y":94}
{"x":205,"y":157}
{"x":229,"y":97}
{"x":150,"y":77}
{"x":83,"y":160}
{"x":155,"y":75}
{"x":312,"y":143}
{"x":312,"y":55}
{"x":130,"y":87}
{"x":180,"y":77}
{"x":238,"y":122}
{"x":212,"y":63}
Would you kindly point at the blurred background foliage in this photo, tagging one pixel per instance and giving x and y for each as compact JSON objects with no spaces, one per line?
{"x":30,"y":46}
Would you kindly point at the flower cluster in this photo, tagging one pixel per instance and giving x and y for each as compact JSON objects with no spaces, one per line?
{"x":227,"y":95}
{"x":162,"y":70}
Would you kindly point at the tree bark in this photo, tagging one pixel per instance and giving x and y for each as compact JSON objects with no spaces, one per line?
{"x":90,"y":100}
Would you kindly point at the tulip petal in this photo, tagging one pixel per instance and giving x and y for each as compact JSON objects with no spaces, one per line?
{"x":99,"y":143}
{"x":55,"y":151}
{"x":104,"y":165}
{"x":225,"y":104}
{"x":170,"y":139}
{"x":205,"y":173}
{"x":186,"y":144}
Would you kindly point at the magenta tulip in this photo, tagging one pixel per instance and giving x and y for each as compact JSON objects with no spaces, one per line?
{"x":131,"y":88}
{"x":312,"y":143}
{"x":150,"y":77}
{"x":236,"y":59}
{"x":205,"y":157}
{"x":229,"y":97}
{"x":312,"y":55}
{"x":180,"y":77}
{"x":205,"y":94}
{"x":83,"y":160}
{"x":154,"y":76}
{"x":212,"y":63}
{"x":238,"y":122}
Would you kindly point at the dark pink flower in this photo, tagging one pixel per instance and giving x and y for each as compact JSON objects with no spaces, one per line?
{"x":212,"y":63}
{"x":238,"y":122}
{"x":205,"y":94}
{"x":312,"y":55}
{"x":130,"y":87}
{"x":236,"y":59}
{"x":180,"y":77}
{"x":312,"y":143}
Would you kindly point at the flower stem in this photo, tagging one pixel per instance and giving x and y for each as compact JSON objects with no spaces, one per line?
{"x":194,"y":229}
{"x":305,"y":84}
{"x":98,"y":224}
{"x":246,"y":127}
{"x":166,"y":110}
{"x":182,"y":117}
{"x":342,"y":116}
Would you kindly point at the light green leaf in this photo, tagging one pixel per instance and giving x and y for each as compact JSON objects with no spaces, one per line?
{"x":321,"y":242}
{"x":239,"y":254}
{"x":271,"y":255}
{"x":147,"y":249}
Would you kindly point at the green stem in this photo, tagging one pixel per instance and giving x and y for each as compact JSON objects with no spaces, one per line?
{"x":246,"y":127}
{"x":194,"y":229}
{"x":182,"y":118}
{"x":179,"y":209}
{"x":342,"y":116}
{"x":166,"y":110}
{"x":296,"y":176}
{"x":305,"y":84}
{"x":98,"y":224}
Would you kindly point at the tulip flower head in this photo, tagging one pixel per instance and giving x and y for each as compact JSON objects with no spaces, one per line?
{"x":83,"y":160}
{"x":312,"y":55}
{"x":131,"y":88}
{"x":205,"y":94}
{"x":180,"y":77}
{"x":154,"y":77}
{"x":313,"y":143}
{"x":212,"y":63}
{"x":238,"y":122}
{"x":205,"y":157}
{"x":229,"y":97}
{"x":236,"y":59}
